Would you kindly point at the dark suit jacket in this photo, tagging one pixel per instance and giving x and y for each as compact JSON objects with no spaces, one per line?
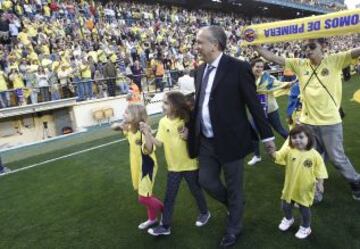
{"x":232,"y":90}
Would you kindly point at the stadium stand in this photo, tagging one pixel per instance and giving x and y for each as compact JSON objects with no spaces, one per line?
{"x":58,"y":50}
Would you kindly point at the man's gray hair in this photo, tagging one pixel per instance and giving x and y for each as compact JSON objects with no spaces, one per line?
{"x":217,"y":34}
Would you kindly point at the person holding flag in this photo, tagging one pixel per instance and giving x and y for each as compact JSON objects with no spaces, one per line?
{"x":321,"y":90}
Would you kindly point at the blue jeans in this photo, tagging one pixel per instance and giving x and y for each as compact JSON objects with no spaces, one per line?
{"x":275,"y":122}
{"x":159,"y":84}
{"x":124,"y":88}
{"x":88,"y":88}
{"x":80,"y":90}
{"x":55,"y":95}
{"x":4,"y":100}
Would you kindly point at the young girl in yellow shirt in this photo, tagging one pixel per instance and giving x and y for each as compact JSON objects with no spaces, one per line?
{"x":143,"y":163}
{"x":304,"y":172}
{"x":171,"y":135}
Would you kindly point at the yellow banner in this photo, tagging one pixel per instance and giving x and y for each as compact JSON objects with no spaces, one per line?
{"x":337,"y":23}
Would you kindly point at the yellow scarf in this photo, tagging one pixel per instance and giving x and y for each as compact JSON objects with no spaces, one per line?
{"x":334,"y":24}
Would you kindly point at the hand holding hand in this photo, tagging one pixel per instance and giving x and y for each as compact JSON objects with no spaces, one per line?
{"x":144,"y":128}
{"x":270,"y":147}
{"x":184,"y":133}
{"x":320,"y":187}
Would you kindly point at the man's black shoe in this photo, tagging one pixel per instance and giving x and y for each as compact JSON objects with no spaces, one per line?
{"x":228,"y":240}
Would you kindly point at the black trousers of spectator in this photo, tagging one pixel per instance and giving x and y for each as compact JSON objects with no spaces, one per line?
{"x":159,"y":84}
{"x":1,"y":165}
{"x":111,"y":87}
{"x":45,"y":94}
{"x":65,"y":92}
{"x":173,"y":184}
{"x":138,"y":83}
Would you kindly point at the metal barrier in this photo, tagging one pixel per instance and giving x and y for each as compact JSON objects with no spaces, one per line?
{"x":167,"y":80}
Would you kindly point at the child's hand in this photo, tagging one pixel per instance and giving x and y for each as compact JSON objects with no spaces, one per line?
{"x":117,"y":126}
{"x":144,"y":128}
{"x":273,"y":154}
{"x":184,"y":133}
{"x":320,"y":186}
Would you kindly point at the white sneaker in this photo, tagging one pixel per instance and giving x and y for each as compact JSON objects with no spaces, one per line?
{"x":147,"y":224}
{"x":286,"y":224}
{"x":202,"y":219}
{"x":254,"y":160}
{"x":303,"y":232}
{"x":5,"y":170}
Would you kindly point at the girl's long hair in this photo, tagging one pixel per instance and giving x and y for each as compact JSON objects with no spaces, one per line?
{"x":178,"y":105}
{"x":138,"y":114}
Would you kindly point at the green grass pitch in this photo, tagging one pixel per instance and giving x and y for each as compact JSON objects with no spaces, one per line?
{"x":87,"y":202}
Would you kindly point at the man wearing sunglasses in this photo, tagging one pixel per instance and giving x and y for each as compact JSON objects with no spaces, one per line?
{"x":321,"y":90}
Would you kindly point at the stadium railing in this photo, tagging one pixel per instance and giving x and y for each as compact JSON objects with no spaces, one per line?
{"x":298,"y":5}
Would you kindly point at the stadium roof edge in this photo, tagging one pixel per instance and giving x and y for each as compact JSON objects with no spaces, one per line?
{"x":252,"y":8}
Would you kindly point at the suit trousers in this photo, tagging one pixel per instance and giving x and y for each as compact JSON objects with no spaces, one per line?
{"x":230,"y":193}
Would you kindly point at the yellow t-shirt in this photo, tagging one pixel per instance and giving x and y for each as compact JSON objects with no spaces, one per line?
{"x":318,"y":107}
{"x":113,"y":58}
{"x":142,"y":178}
{"x":85,"y":71}
{"x":18,"y":81}
{"x":176,"y":153}
{"x":46,"y":62}
{"x":45,"y":49}
{"x":102,"y":56}
{"x":94,"y":55}
{"x":19,"y":9}
{"x":302,"y":170}
{"x":47,"y":11}
{"x":32,"y":30}
{"x":23,"y":37}
{"x":7,"y":5}
{"x":3,"y":84}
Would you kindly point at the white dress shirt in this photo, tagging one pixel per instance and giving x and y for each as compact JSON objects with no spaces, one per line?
{"x":206,"y":126}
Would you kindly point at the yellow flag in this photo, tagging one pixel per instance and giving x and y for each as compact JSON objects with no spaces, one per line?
{"x":356,"y":96}
{"x":334,"y":24}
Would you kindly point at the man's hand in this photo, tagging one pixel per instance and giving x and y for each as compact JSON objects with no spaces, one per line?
{"x":270,"y":147}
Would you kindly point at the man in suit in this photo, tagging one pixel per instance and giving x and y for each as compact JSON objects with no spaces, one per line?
{"x":219,"y":132}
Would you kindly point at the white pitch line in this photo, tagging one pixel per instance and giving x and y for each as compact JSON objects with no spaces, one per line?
{"x":62,"y":157}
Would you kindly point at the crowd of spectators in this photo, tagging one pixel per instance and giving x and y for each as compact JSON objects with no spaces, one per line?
{"x":55,"y":50}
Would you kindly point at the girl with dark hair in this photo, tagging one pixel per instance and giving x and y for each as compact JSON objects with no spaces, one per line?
{"x":304,"y":174}
{"x":172,"y":133}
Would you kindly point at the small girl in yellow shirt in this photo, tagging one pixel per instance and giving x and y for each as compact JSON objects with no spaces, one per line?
{"x":143,"y":164}
{"x":304,"y":172}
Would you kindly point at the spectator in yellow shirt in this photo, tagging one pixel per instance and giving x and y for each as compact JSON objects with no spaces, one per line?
{"x":3,"y":90}
{"x":86,"y":83}
{"x":18,"y":85}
